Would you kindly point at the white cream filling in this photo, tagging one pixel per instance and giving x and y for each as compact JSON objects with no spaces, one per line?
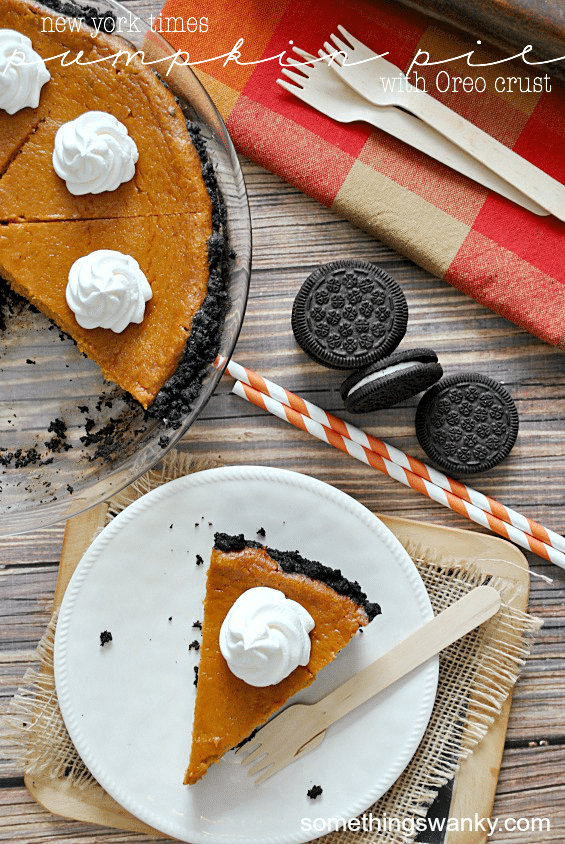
{"x":374,"y":376}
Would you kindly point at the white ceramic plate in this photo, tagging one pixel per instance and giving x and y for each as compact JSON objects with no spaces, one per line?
{"x":128,"y":705}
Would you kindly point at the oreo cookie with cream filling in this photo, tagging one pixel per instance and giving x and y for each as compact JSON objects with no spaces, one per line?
{"x":348,"y":314}
{"x":387,"y":382}
{"x":467,"y":423}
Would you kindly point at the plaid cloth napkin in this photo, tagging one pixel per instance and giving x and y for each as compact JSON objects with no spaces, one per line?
{"x":503,"y":256}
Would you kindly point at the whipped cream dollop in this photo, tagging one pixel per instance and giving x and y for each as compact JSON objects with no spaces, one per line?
{"x":94,"y":153}
{"x":265,"y":636}
{"x":107,"y":289}
{"x":23,"y":72}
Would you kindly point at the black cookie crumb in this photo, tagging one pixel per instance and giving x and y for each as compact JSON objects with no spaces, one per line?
{"x":314,"y":792}
{"x":194,"y":646}
{"x":4,"y":302}
{"x":58,"y":427}
{"x":195,"y":675}
{"x":114,"y":435}
{"x":11,"y":303}
{"x":199,"y":560}
{"x":176,"y":397}
{"x":262,"y":532}
{"x":57,"y":443}
{"x":20,"y":458}
{"x":105,"y":637}
{"x":226,"y":542}
{"x":198,"y":625}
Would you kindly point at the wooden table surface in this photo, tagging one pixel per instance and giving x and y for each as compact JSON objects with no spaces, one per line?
{"x":292,"y":235}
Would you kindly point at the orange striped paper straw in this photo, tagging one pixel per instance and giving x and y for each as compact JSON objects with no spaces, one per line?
{"x":393,"y":470}
{"x":395,"y":455}
{"x":451,"y":493}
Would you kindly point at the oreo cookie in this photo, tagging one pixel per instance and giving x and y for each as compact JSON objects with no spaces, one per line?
{"x":467,"y":423}
{"x":389,"y":381}
{"x":348,"y":314}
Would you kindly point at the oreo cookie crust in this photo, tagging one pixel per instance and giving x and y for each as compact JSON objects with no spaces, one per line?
{"x":292,"y":562}
{"x":389,"y":381}
{"x":467,"y":423}
{"x":348,"y":314}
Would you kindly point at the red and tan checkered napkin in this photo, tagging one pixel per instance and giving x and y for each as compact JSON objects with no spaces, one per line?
{"x":503,"y":256}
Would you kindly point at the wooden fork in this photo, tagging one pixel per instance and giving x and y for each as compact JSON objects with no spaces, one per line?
{"x":314,"y":82}
{"x":382,"y":83}
{"x":301,"y":727}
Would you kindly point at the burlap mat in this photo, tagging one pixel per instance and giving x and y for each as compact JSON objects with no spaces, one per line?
{"x":476,"y":676}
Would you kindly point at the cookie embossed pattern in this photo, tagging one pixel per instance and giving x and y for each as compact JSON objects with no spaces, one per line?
{"x":348,"y":314}
{"x":467,"y":423}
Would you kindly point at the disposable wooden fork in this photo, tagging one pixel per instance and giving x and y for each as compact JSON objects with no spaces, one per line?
{"x":383,"y":84}
{"x":301,"y":727}
{"x":314,"y":82}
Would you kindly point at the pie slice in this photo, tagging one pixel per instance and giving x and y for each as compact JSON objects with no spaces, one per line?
{"x":227,"y":709}
{"x":172,"y":251}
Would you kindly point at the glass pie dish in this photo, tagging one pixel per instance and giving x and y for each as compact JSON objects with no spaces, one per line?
{"x":55,"y":405}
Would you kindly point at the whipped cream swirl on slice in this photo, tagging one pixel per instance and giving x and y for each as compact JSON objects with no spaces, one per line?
{"x":94,"y":153}
{"x":22,"y":72}
{"x":107,"y":289}
{"x":264,"y":636}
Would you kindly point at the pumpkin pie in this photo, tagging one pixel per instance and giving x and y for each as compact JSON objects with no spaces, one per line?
{"x":168,"y":175}
{"x":165,"y":216}
{"x":35,"y":258}
{"x":227,"y":709}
